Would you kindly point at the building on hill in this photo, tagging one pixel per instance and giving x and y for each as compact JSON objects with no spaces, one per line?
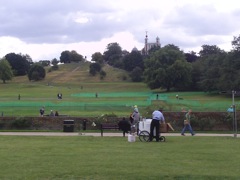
{"x":149,"y":45}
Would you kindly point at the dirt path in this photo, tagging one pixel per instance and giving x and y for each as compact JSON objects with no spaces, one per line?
{"x":99,"y":134}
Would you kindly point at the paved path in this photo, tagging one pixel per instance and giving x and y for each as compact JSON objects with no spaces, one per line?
{"x":98,"y":134}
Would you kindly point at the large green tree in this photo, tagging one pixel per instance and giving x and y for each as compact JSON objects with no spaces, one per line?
{"x":167,"y":68}
{"x":36,"y":72}
{"x":133,"y":60}
{"x":20,"y":65}
{"x":113,"y":55}
{"x":98,"y":57}
{"x":211,"y":64}
{"x":5,"y":70}
{"x":94,"y":68}
{"x":70,"y":56}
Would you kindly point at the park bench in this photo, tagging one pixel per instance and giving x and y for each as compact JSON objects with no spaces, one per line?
{"x":108,"y":126}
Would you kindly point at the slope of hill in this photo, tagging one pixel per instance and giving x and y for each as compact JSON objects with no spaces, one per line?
{"x":75,"y":73}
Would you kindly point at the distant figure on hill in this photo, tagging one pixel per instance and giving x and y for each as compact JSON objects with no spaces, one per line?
{"x":42,"y":110}
{"x":51,"y":113}
{"x":19,"y":97}
{"x":59,"y":95}
{"x":230,"y":109}
{"x":56,"y":113}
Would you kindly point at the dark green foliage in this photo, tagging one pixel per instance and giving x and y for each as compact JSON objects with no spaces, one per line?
{"x":54,"y":62}
{"x":136,"y":74}
{"x":98,"y":58}
{"x":113,"y":54}
{"x":21,"y":123}
{"x":133,"y":60}
{"x":94,"y":68}
{"x":19,"y":63}
{"x":167,"y":68}
{"x":68,"y":57}
{"x":5,"y":70}
{"x":36,"y":72}
{"x":102,"y":74}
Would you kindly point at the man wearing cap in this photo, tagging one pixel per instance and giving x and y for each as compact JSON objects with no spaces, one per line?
{"x":157,"y":116}
{"x":136,"y":118}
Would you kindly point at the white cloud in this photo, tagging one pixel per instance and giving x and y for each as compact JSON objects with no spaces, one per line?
{"x":43,"y":29}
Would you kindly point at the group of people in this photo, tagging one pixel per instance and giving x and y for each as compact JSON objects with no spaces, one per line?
{"x":157,"y":119}
{"x":42,"y":112}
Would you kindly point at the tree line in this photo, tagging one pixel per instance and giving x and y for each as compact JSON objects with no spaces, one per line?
{"x":167,"y":67}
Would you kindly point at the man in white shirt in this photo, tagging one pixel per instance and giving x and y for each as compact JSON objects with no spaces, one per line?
{"x":157,"y":116}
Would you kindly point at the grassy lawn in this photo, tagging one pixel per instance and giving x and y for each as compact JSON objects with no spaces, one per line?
{"x":115,"y":158}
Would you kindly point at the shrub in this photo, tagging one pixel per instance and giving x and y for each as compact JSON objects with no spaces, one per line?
{"x":21,"y":123}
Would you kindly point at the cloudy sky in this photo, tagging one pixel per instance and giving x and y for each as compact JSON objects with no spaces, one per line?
{"x":45,"y":28}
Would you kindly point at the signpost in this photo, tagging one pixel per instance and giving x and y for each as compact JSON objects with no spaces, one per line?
{"x":234,"y":115}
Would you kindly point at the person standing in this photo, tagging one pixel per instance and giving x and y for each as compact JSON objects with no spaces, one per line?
{"x":157,"y":117}
{"x":136,"y":119}
{"x":187,"y":125}
{"x":42,"y":111}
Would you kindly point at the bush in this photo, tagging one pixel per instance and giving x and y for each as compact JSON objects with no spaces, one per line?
{"x":106,"y":118}
{"x":21,"y":123}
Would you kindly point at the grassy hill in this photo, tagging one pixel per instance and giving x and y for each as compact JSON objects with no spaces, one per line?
{"x":75,"y":73}
{"x":115,"y":95}
{"x":78,"y":88}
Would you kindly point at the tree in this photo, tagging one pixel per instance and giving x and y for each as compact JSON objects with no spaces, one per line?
{"x":133,"y":60}
{"x":36,"y":72}
{"x":19,"y":64}
{"x":209,"y":50}
{"x":229,"y":79}
{"x":28,"y":58}
{"x":94,"y":68}
{"x":210,"y":65}
{"x":75,"y":57}
{"x":236,"y":43}
{"x":136,"y":74}
{"x":113,"y":54}
{"x":5,"y":70}
{"x":54,"y":62}
{"x":98,"y":58}
{"x":68,"y":57}
{"x":65,"y":57}
{"x":166,"y":68}
{"x":191,"y":56}
{"x":102,"y":74}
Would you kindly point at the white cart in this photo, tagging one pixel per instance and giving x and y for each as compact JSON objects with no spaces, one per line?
{"x":144,"y":131}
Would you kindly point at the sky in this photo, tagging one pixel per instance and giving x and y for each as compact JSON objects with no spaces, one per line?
{"x":45,"y":28}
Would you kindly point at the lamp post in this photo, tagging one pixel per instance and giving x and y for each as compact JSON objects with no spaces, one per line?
{"x":234,"y":115}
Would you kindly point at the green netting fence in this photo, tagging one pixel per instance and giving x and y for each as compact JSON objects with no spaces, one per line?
{"x":114,"y":102}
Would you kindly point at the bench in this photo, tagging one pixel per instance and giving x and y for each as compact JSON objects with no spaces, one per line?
{"x":109,"y":127}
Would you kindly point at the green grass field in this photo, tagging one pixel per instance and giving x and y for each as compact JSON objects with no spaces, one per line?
{"x":115,"y":95}
{"x":103,"y":158}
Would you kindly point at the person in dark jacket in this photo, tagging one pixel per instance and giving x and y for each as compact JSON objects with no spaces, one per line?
{"x":124,"y":125}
